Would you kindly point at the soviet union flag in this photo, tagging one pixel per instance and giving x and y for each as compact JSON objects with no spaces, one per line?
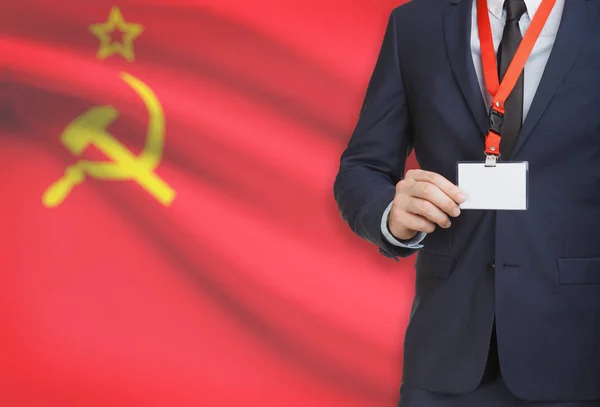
{"x":169,"y":235}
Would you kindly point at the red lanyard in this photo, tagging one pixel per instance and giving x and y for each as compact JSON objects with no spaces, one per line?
{"x":501,"y":91}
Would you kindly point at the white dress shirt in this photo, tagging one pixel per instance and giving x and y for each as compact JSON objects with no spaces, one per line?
{"x":534,"y":68}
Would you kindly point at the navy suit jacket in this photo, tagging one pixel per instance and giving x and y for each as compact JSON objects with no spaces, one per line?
{"x":544,"y":290}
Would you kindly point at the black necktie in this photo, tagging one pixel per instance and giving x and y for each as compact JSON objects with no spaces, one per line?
{"x":513,"y":107}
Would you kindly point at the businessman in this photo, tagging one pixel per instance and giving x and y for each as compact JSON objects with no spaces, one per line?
{"x":507,"y":303}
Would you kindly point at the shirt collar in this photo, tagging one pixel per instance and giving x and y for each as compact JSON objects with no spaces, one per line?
{"x":496,"y":7}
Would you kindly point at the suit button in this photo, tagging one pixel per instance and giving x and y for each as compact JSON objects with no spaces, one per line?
{"x":385,"y":253}
{"x":491,"y":267}
{"x":388,"y":254}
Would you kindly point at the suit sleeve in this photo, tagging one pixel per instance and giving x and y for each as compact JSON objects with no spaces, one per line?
{"x":375,"y":158}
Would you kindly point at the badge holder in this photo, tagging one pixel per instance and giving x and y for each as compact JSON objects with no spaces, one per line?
{"x":494,"y":185}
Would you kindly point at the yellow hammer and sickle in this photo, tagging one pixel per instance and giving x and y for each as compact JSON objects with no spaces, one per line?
{"x":90,"y":129}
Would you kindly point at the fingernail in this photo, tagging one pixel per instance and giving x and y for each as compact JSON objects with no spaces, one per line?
{"x":447,"y":225}
{"x":460,"y":198}
{"x":456,"y":212}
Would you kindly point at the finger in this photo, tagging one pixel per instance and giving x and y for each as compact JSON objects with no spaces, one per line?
{"x":416,"y":222}
{"x":436,"y":196}
{"x":429,"y":211}
{"x":442,"y":183}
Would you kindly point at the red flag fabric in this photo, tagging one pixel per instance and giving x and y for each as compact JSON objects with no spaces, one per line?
{"x":169,"y":234}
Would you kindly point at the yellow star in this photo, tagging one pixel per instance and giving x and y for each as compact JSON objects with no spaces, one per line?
{"x":108,"y":45}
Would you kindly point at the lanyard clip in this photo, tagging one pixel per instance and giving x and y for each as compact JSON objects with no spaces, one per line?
{"x":496,"y":121}
{"x":490,"y":160}
{"x":492,"y":140}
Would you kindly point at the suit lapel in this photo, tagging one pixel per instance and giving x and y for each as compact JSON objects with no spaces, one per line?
{"x":457,"y":33}
{"x":578,"y":17}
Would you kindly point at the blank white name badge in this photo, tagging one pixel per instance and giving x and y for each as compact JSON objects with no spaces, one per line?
{"x":499,"y":187}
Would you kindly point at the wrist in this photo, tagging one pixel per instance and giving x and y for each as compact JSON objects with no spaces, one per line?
{"x":401,"y":233}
